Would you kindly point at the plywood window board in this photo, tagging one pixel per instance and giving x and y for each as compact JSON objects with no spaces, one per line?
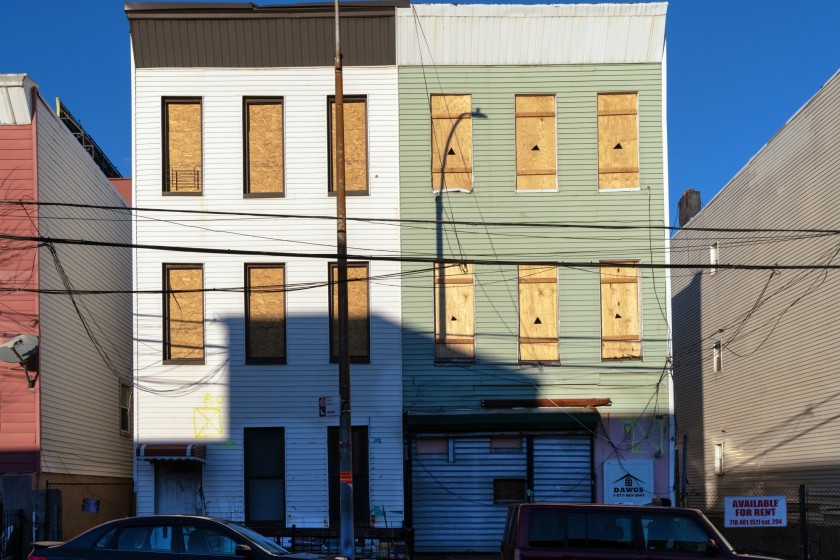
{"x":538,"y":330}
{"x":536,"y":141}
{"x":264,"y":147}
{"x":182,"y":146}
{"x":452,"y":150}
{"x":618,"y":141}
{"x":620,"y":313}
{"x":358,"y":312}
{"x":454,"y":312}
{"x":355,"y":145}
{"x":265,"y":309}
{"x":184,"y":313}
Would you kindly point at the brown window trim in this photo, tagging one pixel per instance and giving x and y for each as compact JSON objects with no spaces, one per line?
{"x":280,"y":360}
{"x":246,"y":180}
{"x":165,"y":102}
{"x":330,"y":268}
{"x":166,"y":341}
{"x":330,"y":190}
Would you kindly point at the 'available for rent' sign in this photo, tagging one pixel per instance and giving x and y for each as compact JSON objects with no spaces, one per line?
{"x":755,"y":511}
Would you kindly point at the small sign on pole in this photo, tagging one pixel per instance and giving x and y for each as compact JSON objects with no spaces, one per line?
{"x":755,"y":511}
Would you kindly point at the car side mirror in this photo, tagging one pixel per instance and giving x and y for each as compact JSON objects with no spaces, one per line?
{"x":243,"y":550}
{"x":712,"y":548}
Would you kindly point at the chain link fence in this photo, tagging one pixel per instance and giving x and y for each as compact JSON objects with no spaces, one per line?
{"x":77,"y":507}
{"x":813,"y":522}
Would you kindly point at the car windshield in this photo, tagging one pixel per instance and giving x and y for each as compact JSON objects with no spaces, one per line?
{"x":261,"y":540}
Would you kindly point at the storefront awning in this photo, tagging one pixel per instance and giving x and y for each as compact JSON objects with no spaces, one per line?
{"x":515,"y":420}
{"x":172,"y":451}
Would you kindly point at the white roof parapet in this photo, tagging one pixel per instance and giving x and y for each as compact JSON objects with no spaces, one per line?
{"x":530,"y":34}
{"x":16,"y":99}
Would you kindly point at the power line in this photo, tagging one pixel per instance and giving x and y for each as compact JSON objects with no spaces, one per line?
{"x":424,"y":260}
{"x":602,"y":226}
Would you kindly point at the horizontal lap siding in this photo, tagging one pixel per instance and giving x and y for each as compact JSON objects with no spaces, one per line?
{"x":80,"y":421}
{"x":282,"y":395}
{"x":773,"y":404}
{"x":629,"y":384}
{"x":18,"y":404}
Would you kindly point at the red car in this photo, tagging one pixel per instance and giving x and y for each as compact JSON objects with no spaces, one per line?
{"x":549,"y":531}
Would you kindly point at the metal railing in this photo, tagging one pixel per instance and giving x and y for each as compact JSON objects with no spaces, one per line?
{"x":371,"y":543}
{"x":13,"y":539}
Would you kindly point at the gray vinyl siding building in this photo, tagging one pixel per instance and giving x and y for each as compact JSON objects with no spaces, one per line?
{"x":481,"y":427}
{"x":755,"y":351}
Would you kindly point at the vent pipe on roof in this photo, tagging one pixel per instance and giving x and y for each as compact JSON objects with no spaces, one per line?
{"x":688,"y":206}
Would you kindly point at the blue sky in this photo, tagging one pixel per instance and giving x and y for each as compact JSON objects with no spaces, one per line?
{"x":737,"y":71}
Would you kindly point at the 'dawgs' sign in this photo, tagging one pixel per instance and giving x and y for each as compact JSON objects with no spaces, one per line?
{"x":755,"y":511}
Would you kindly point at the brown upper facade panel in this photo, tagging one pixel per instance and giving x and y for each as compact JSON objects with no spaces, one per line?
{"x":240,"y":35}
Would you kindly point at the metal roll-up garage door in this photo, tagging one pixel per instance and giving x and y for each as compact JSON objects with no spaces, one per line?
{"x":453,"y":486}
{"x":563,"y":468}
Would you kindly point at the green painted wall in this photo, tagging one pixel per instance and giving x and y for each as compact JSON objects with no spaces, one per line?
{"x":496,"y":373}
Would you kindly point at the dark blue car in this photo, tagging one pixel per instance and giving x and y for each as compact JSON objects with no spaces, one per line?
{"x":166,"y":537}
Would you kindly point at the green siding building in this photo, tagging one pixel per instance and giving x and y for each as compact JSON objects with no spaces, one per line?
{"x":488,"y":423}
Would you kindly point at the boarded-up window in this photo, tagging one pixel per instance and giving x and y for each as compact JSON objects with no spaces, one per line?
{"x":263,"y":147}
{"x":355,"y":146}
{"x":182,"y":146}
{"x":432,"y":446}
{"x":505,"y":444}
{"x":536,"y":138}
{"x":620,"y":329}
{"x":509,"y":490}
{"x":618,"y":141}
{"x":358,"y":312}
{"x":451,"y":142}
{"x":538,"y":313}
{"x":265,"y":309}
{"x":183,"y":313}
{"x":454,"y":312}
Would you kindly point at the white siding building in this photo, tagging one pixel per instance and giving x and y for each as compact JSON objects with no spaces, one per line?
{"x":230,"y":421}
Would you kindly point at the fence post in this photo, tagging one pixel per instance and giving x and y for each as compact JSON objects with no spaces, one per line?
{"x":803,"y":522}
{"x":20,"y":545}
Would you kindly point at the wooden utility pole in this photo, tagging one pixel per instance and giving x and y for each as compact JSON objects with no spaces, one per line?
{"x":345,"y":446}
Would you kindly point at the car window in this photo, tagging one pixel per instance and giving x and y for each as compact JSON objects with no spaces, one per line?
{"x":674,"y":532}
{"x":257,"y":538}
{"x":207,"y":540}
{"x":599,"y":530}
{"x":106,"y":539}
{"x":138,"y":538}
{"x":545,"y":527}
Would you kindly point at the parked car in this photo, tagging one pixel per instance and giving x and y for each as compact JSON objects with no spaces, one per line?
{"x":166,"y":537}
{"x":543,"y":531}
